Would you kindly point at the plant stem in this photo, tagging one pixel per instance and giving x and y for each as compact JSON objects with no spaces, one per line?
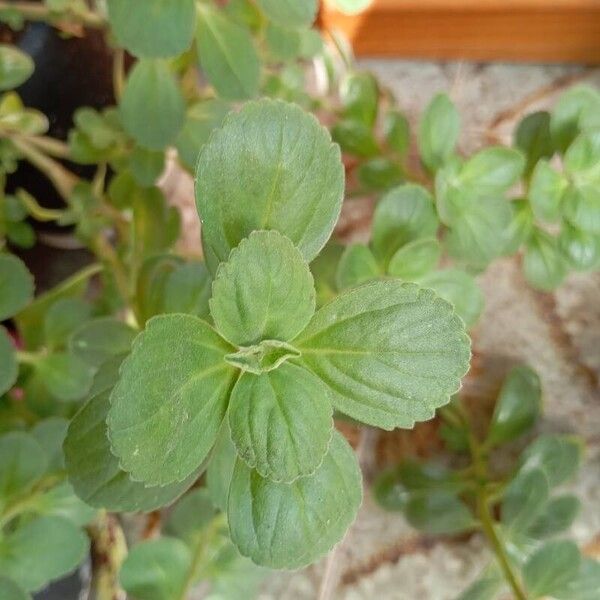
{"x":118,"y":73}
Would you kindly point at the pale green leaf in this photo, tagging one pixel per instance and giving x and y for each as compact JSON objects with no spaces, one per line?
{"x":351,"y":7}
{"x":390,"y":352}
{"x":170,"y":400}
{"x":23,"y":463}
{"x":580,"y":249}
{"x":359,"y":94}
{"x":152,"y":109}
{"x":551,"y":568}
{"x":61,"y":501}
{"x":438,"y":132}
{"x":290,"y":13}
{"x":153,"y":28}
{"x":41,"y":551}
{"x":16,"y":286}
{"x":581,"y":207}
{"x":357,"y":265}
{"x":281,"y":422}
{"x":265,"y":291}
{"x":558,"y":515}
{"x":546,"y":190}
{"x":524,"y":500}
{"x":404,"y":214}
{"x":438,"y":512}
{"x":518,"y":406}
{"x":492,"y":170}
{"x":15,"y":67}
{"x":156,"y":569}
{"x":271,"y":166}
{"x":397,"y":131}
{"x":227,"y":55}
{"x":291,"y":525}
{"x":543,"y":264}
{"x":584,"y":585}
{"x":9,"y":368}
{"x":583,"y":156}
{"x":67,"y":377}
{"x":415,"y":259}
{"x":63,"y":318}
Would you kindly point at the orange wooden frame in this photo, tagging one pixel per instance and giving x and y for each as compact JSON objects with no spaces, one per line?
{"x":513,"y":30}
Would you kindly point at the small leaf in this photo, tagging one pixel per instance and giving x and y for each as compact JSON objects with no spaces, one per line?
{"x":380,"y":173}
{"x":61,"y":501}
{"x":152,"y":108}
{"x":546,"y":190}
{"x":459,"y":289}
{"x":359,"y":94}
{"x":188,"y":290}
{"x":227,"y":55}
{"x":355,"y":138}
{"x":41,"y":551}
{"x":170,"y":400}
{"x":582,"y":207}
{"x":438,"y":132}
{"x":580,"y":249}
{"x":585,"y":585}
{"x":291,"y":525}
{"x":15,"y":67}
{"x":9,"y":368}
{"x":63,"y":318}
{"x":558,"y":515}
{"x":146,"y":165}
{"x":9,"y":590}
{"x":324,"y":270}
{"x":524,"y":500}
{"x":487,"y":587}
{"x":156,"y":569}
{"x":518,"y":406}
{"x":290,"y":13}
{"x":438,"y":513}
{"x":23,"y":463}
{"x":271,"y":166}
{"x":415,"y":259}
{"x":281,"y":422}
{"x":558,"y":456}
{"x":534,"y":139}
{"x":568,"y":112}
{"x":390,"y":352}
{"x":66,"y":377}
{"x":265,"y":291}
{"x":492,"y":170}
{"x":220,"y":468}
{"x":200,"y":120}
{"x":50,"y":434}
{"x":153,"y":28}
{"x":16,"y":286}
{"x":357,"y":265}
{"x":583,"y":155}
{"x":192,"y":513}
{"x":551,"y":568}
{"x":543,"y":263}
{"x":404,"y":214}
{"x":103,"y":338}
{"x":397,"y":132}
{"x":283,"y":42}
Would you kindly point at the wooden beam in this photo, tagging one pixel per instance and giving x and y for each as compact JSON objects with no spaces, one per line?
{"x":511,"y":30}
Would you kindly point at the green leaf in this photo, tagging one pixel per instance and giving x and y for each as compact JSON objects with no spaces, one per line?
{"x":94,"y":472}
{"x":153,"y":28}
{"x":390,"y":352}
{"x":291,"y":525}
{"x":9,"y":368}
{"x":63,"y":318}
{"x":518,"y":406}
{"x":324,"y":270}
{"x":585,"y":585}
{"x":359,"y":94}
{"x":103,"y":338}
{"x":568,"y":112}
{"x":67,"y":377}
{"x":156,"y":569}
{"x":188,"y":289}
{"x":191,"y":515}
{"x":524,"y":500}
{"x":351,"y":7}
{"x":50,"y":434}
{"x":546,"y":190}
{"x":200,"y":121}
{"x":281,"y":422}
{"x":559,"y":456}
{"x":543,"y":263}
{"x":355,"y":138}
{"x":583,"y":155}
{"x":439,"y":512}
{"x":581,"y":207}
{"x":227,"y":55}
{"x":415,"y":259}
{"x":15,"y":67}
{"x":146,"y":165}
{"x":380,"y":173}
{"x":16,"y":286}
{"x":23,"y":463}
{"x":404,"y":214}
{"x":9,"y":590}
{"x":459,"y":289}
{"x":41,"y":551}
{"x":61,"y":501}
{"x":534,"y":139}
{"x":152,"y":109}
{"x":492,"y":170}
{"x":271,"y":166}
{"x":487,"y":587}
{"x":220,"y":468}
{"x":438,"y":132}
{"x":265,"y":291}
{"x":558,"y":515}
{"x":397,"y":132}
{"x":167,"y":408}
{"x":551,"y":568}
{"x":580,"y":249}
{"x":290,"y":13}
{"x":357,"y":265}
